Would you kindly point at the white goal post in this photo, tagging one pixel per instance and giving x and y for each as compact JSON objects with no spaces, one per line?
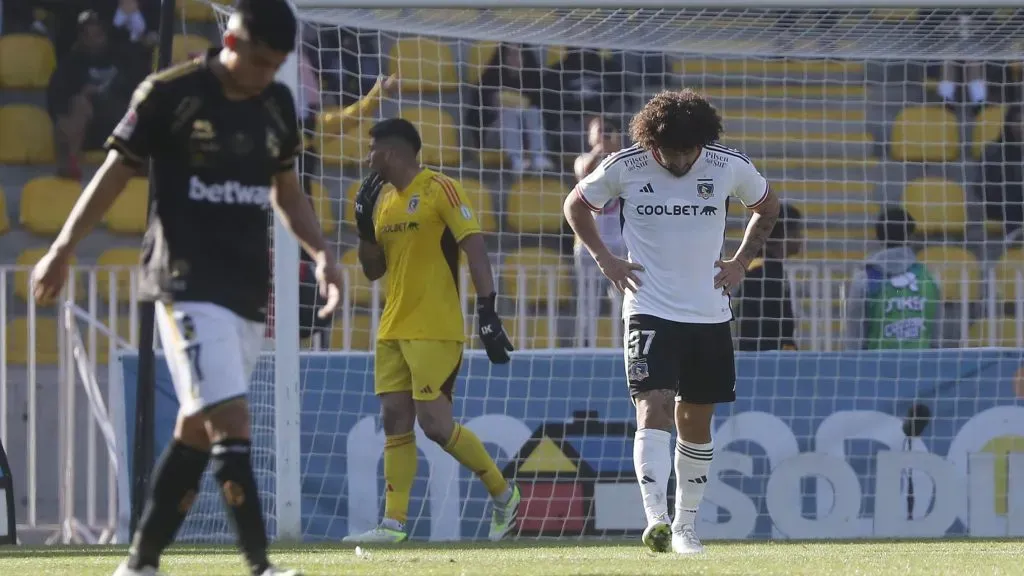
{"x":835,"y":151}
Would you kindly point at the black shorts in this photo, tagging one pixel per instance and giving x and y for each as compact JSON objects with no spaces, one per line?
{"x":694,"y":360}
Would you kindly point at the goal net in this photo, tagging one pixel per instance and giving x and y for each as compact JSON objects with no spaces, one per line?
{"x":850,"y":114}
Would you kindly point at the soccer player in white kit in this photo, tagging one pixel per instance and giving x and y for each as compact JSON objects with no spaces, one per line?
{"x":673,"y":187}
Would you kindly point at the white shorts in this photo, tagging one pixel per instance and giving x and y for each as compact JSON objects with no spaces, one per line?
{"x":211,"y":352}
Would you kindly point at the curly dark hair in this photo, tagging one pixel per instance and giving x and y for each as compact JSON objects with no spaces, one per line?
{"x":676,"y":120}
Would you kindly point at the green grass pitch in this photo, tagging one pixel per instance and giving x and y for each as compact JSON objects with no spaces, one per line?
{"x":920,"y":558}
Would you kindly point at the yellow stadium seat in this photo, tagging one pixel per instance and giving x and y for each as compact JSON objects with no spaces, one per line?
{"x":535,"y":205}
{"x":424,"y":65}
{"x":537,"y":335}
{"x":987,"y":128}
{"x":360,"y":289}
{"x":1007,"y":270}
{"x":46,"y":202}
{"x":359,"y":329}
{"x":544,"y":273}
{"x":116,"y":264}
{"x":324,"y":207}
{"x":482,"y":201}
{"x":24,"y":263}
{"x":195,"y":11}
{"x":5,"y":220}
{"x":45,"y":344}
{"x":951,"y":266}
{"x":936,"y":205}
{"x":926,"y":133}
{"x":440,"y":136}
{"x":26,"y":61}
{"x":128,"y":213}
{"x":477,"y":59}
{"x":26,"y":135}
{"x":1006,"y":333}
{"x":188,"y":46}
{"x":606,"y":328}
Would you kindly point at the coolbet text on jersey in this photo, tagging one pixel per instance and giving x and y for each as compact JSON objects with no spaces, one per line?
{"x":671,"y":223}
{"x":419,"y":229}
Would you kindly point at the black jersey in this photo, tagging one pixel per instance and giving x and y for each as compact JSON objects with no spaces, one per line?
{"x":214,"y":162}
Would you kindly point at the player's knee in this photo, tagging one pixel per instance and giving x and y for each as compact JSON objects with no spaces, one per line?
{"x":437,"y":429}
{"x":191,"y":431}
{"x":654,"y":409}
{"x":229,"y":419}
{"x":397,"y":413}
{"x":694,"y":421}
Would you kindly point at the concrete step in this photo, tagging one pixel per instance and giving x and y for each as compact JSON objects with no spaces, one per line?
{"x":843,"y":145}
{"x":759,"y":67}
{"x":834,"y":92}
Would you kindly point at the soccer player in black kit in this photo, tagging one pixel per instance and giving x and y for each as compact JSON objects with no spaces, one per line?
{"x":223,"y":137}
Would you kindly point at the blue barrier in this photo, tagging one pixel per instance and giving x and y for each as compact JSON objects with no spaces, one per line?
{"x":798,"y":414}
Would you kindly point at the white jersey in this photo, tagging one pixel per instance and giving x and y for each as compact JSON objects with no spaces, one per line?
{"x":675,"y":226}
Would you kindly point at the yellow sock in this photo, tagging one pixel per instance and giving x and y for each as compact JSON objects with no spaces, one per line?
{"x":470,"y":452}
{"x":400,"y":459}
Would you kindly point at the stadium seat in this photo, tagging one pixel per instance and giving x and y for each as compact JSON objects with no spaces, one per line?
{"x":537,"y":335}
{"x":424,"y":65}
{"x":987,"y":128}
{"x":5,"y":220}
{"x":479,"y":55}
{"x":925,"y":133}
{"x":936,"y":205}
{"x":1006,"y":333}
{"x":24,"y":263}
{"x":116,"y":264}
{"x":542,"y":270}
{"x":360,"y":289}
{"x":606,"y":327}
{"x":361,"y":337}
{"x":1007,"y":270}
{"x":128,"y":213}
{"x":482,"y":201}
{"x":440,"y":136}
{"x":45,"y":344}
{"x":46,"y":202}
{"x":949,"y":264}
{"x":26,"y":135}
{"x":26,"y":61}
{"x":195,"y":11}
{"x":188,"y":46}
{"x":534,"y":205}
{"x":324,"y":207}
{"x":554,"y":55}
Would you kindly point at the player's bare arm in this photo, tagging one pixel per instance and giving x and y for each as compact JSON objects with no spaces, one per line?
{"x":621,"y":272}
{"x":732,"y":271}
{"x":479,"y":263}
{"x":297,"y":215}
{"x":106,"y":185}
{"x":371,"y":258}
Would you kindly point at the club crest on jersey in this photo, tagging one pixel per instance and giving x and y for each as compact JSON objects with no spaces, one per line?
{"x":203,"y":130}
{"x":705,"y":189}
{"x":414,"y":203}
{"x":637,"y":371}
{"x":466,"y":213}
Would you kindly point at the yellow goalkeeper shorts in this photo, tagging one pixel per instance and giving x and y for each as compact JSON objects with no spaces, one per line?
{"x":427,"y":368}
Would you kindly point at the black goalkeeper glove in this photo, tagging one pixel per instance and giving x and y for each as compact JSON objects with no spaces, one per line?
{"x":492,"y":333}
{"x":366,"y":199}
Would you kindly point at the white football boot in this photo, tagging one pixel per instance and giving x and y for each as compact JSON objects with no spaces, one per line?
{"x":124,"y":570}
{"x":685,"y":541}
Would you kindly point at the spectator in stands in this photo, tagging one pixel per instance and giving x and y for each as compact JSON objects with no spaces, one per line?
{"x":505,"y":106}
{"x":765,"y":312}
{"x":90,"y":90}
{"x":583,"y":83}
{"x":1003,"y":172}
{"x":130,"y":23}
{"x":893,"y":301}
{"x":346,"y":59}
{"x":604,"y":138}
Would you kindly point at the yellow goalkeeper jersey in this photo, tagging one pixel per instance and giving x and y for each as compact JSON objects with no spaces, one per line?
{"x":419,"y":229}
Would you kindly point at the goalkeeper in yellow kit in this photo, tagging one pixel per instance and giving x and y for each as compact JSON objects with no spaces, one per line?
{"x":416,"y":236}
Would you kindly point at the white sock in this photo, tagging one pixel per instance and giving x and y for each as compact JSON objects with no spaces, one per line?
{"x":692,"y":464}
{"x":946,"y":89}
{"x":978,"y":89}
{"x":653,"y":463}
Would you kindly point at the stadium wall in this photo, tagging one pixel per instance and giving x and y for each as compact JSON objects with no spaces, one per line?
{"x":814,"y":447}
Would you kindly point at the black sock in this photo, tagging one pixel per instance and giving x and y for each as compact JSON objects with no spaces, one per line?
{"x":233,"y":470}
{"x":173,"y":487}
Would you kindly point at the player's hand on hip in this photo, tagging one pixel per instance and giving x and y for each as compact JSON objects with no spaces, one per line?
{"x":328,"y":280}
{"x":366,"y":200}
{"x":49,"y":276}
{"x":491,"y":331}
{"x":622,"y":273}
{"x":730,"y":274}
